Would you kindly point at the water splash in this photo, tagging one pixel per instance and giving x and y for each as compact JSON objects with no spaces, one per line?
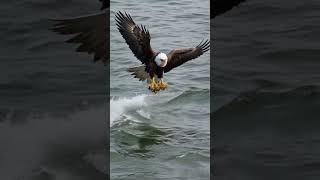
{"x":119,"y":106}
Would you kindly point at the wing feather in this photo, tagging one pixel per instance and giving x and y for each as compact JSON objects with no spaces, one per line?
{"x":91,"y":32}
{"x":179,"y":56}
{"x":105,"y":4}
{"x":138,"y":38}
{"x":222,"y":6}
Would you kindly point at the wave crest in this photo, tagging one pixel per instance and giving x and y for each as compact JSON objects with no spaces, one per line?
{"x":121,"y":105}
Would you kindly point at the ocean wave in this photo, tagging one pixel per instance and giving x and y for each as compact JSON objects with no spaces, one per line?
{"x":272,"y":107}
{"x":119,"y":106}
{"x":52,"y":146}
{"x":138,"y":138}
{"x":292,"y":55}
{"x":197,"y":95}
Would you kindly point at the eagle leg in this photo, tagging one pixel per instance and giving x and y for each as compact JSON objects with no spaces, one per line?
{"x":153,"y":86}
{"x":162,"y":85}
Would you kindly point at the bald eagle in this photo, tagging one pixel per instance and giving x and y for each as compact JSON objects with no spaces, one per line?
{"x":155,"y":63}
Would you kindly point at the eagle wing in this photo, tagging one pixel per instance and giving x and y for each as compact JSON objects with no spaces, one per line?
{"x":179,"y":56}
{"x":222,"y":6}
{"x":105,"y":4}
{"x":92,"y":32}
{"x":138,"y":38}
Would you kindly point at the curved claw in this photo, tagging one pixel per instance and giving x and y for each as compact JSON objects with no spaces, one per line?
{"x":153,"y":86}
{"x":162,"y":85}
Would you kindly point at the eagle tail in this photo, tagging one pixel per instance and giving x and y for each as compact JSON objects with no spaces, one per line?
{"x":139,"y":72}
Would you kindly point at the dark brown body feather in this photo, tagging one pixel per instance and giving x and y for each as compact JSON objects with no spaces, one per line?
{"x":153,"y":69}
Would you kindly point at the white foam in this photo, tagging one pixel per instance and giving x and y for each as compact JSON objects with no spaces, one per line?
{"x":144,"y":114}
{"x":119,"y":106}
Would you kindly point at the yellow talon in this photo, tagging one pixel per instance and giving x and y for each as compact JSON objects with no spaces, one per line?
{"x":162,"y":84}
{"x":153,"y":86}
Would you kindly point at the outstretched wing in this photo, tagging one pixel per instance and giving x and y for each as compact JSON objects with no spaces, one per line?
{"x":138,"y":38}
{"x":222,"y":6}
{"x":91,"y":32}
{"x":179,"y":56}
{"x":105,"y":4}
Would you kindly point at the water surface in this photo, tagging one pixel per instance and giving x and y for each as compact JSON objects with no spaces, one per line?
{"x":266,"y":79}
{"x":162,"y":136}
{"x":52,"y":99}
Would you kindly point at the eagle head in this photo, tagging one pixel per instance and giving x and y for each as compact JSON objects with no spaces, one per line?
{"x":161,"y":59}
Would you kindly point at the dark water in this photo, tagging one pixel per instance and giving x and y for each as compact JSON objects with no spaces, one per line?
{"x":167,"y":135}
{"x":266,"y":91}
{"x":52,"y":99}
{"x":265,"y":105}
